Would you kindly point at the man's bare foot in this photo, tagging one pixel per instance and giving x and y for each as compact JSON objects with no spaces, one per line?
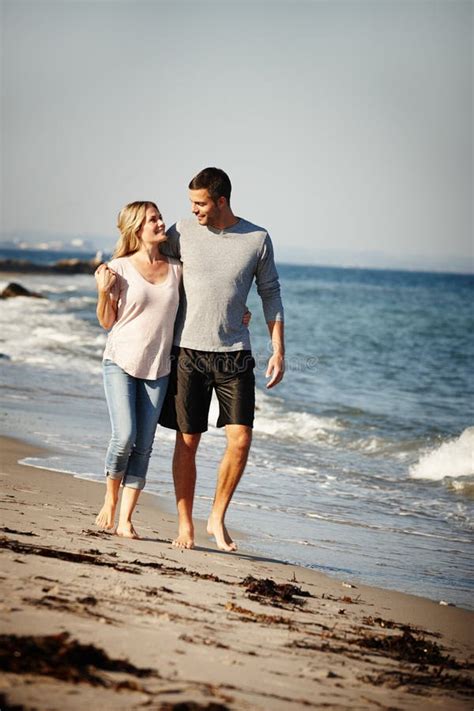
{"x":126,"y":530}
{"x":185,"y":538}
{"x":217,"y":529}
{"x":106,"y":516}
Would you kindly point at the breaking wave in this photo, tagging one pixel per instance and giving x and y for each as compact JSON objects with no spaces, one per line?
{"x":451,"y":459}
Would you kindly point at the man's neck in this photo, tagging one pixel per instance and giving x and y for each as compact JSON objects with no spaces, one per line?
{"x":227,"y":220}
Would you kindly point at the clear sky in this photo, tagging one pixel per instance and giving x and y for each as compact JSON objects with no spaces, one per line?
{"x":346,"y":127}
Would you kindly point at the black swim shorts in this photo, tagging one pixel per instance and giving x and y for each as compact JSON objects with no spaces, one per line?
{"x":194,"y":375}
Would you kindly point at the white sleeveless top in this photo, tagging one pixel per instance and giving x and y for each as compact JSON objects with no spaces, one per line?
{"x":141,"y":338}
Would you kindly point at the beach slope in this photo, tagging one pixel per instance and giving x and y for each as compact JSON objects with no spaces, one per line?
{"x":88,"y":618}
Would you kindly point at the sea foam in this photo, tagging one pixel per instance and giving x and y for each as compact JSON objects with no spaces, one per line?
{"x":48,"y":333}
{"x":272,"y":419}
{"x":451,"y":459}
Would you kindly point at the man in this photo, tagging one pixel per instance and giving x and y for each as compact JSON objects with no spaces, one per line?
{"x":221,"y":255}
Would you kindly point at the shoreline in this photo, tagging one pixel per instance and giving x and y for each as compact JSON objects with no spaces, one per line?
{"x":166,"y":506}
{"x":194,"y":620}
{"x":317,"y":478}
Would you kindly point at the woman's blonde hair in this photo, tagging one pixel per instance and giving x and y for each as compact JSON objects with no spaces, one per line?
{"x":130,"y":221}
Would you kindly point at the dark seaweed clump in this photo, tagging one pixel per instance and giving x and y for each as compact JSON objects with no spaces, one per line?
{"x":266,"y":590}
{"x":6,"y":706}
{"x":60,"y":657}
{"x":408,"y":648}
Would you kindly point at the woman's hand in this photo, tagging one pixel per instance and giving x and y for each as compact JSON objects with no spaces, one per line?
{"x":106,"y":305}
{"x":105,"y":279}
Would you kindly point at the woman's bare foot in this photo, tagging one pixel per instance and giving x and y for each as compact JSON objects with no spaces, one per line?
{"x":106,"y":516}
{"x":217,"y":529}
{"x":126,"y":530}
{"x":185,"y":538}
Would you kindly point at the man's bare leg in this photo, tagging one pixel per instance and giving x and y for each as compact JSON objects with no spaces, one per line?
{"x":106,"y":516}
{"x":239,"y":438}
{"x":127,"y":506}
{"x":184,"y":476}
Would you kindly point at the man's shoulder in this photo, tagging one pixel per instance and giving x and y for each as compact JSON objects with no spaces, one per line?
{"x":185,"y":225}
{"x":256,"y":237}
{"x":246,"y":226}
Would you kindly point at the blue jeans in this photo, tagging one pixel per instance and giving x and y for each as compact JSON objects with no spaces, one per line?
{"x":134,"y":408}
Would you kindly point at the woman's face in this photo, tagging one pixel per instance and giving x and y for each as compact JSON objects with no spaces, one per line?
{"x":153,"y":229}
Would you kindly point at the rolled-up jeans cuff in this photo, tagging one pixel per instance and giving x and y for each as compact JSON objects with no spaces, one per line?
{"x":134,"y":482}
{"x":114,"y":475}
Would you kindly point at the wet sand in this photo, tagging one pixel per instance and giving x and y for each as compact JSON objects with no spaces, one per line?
{"x":88,"y":618}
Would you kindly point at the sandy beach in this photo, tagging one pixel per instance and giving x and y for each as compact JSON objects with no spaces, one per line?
{"x":90,"y":618}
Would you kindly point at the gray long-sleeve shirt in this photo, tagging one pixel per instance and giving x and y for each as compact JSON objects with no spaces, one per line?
{"x":218,"y":270}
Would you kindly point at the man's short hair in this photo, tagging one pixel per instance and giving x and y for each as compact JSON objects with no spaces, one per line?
{"x":215,"y":181}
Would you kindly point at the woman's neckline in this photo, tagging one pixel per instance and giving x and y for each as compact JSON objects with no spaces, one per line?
{"x":159,"y":283}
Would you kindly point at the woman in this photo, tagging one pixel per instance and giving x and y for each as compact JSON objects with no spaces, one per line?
{"x":138,"y":295}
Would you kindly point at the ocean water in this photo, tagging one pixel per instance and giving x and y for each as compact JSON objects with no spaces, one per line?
{"x":362,"y":459}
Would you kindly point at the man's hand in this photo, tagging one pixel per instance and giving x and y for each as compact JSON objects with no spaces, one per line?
{"x":275,"y":370}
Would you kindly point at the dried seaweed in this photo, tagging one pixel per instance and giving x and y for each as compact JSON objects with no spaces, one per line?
{"x":5,"y":529}
{"x":95,"y":534}
{"x":6,"y":706}
{"x":155,"y":592}
{"x":328,"y":646}
{"x":257,"y":617}
{"x":390,"y":625}
{"x":408,"y":648}
{"x":63,"y":658}
{"x":69,"y":556}
{"x":169,"y":570}
{"x":76,"y":607}
{"x":420,"y":678}
{"x":267,"y":591}
{"x":207,"y":641}
{"x":88,"y":600}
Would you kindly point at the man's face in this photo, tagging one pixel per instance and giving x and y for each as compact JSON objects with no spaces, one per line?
{"x":203,"y":206}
